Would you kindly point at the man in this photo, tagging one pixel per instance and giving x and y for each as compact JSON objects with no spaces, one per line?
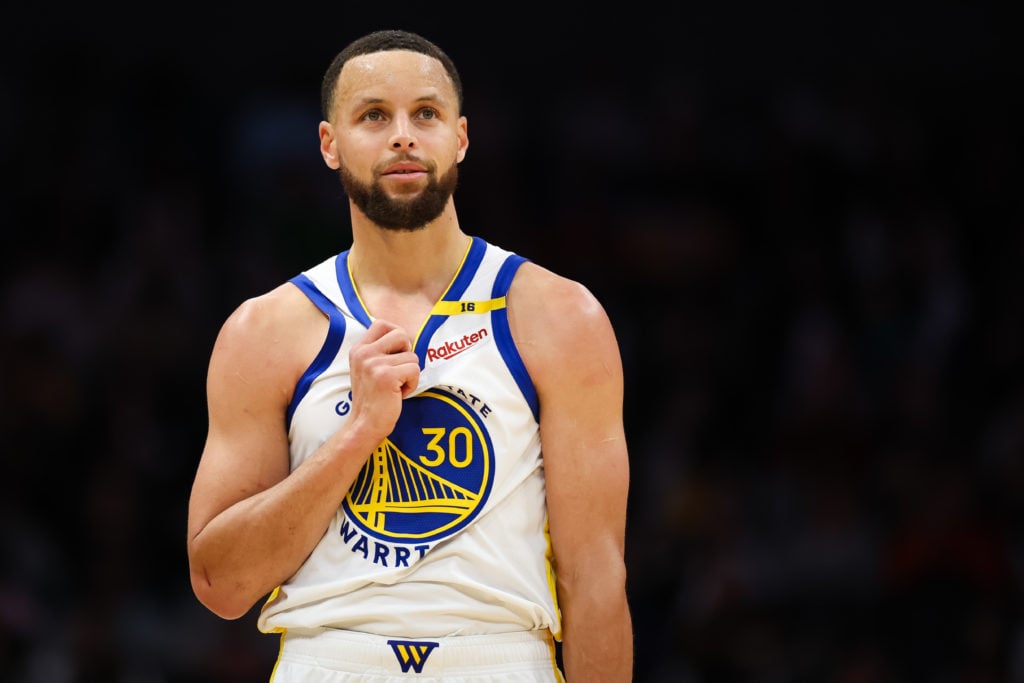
{"x":416,"y":447}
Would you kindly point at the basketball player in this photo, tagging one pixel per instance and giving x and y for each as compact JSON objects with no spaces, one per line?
{"x":416,"y":455}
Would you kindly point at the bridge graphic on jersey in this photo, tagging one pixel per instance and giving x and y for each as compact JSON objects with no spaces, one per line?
{"x":394,"y":482}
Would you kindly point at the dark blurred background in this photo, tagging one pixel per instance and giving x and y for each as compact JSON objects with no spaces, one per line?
{"x":804,"y":220}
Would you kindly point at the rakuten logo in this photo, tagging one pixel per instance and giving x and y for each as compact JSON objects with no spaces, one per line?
{"x":454,"y":348}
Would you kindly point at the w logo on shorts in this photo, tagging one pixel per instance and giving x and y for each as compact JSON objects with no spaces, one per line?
{"x":411,"y":654}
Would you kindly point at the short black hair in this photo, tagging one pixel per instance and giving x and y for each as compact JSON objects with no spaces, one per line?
{"x":382,"y":41}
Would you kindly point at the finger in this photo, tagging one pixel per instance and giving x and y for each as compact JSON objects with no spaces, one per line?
{"x":410,"y":377}
{"x":396,"y":341}
{"x":379,"y":328}
{"x":387,"y":338}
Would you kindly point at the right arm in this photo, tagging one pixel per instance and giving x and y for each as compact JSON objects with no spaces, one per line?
{"x":251,"y":523}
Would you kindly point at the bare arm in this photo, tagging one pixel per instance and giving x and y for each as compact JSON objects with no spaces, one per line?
{"x":570,"y":349}
{"x":251,"y":524}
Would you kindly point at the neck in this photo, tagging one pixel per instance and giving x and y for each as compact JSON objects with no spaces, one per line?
{"x":422,"y":260}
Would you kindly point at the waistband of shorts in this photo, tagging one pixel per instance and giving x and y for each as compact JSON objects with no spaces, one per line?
{"x":339,"y":649}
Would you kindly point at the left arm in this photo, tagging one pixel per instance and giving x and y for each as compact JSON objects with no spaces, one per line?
{"x":569,"y":347}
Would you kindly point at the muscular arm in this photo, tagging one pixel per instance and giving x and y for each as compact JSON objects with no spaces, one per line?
{"x":251,"y":524}
{"x":570,"y":349}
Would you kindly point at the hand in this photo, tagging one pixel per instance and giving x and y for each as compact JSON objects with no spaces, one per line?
{"x":384,"y":371}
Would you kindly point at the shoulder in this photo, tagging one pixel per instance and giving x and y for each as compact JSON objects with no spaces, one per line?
{"x":276,"y":333}
{"x":546,"y":297}
{"x":555,"y":318}
{"x":272,"y":313}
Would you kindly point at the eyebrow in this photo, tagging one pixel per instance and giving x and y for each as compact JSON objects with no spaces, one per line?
{"x":380,"y":100}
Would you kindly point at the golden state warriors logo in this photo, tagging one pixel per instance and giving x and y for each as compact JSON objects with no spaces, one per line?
{"x":429,"y":478}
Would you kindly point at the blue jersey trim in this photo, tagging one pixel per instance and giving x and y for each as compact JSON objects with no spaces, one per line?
{"x":455,"y":291}
{"x":503,"y":335}
{"x":348,"y":290}
{"x":329,"y":350}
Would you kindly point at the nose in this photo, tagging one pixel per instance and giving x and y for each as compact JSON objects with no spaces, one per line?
{"x":403,"y":137}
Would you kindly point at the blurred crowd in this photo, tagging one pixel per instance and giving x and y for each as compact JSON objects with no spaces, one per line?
{"x":815,"y":278}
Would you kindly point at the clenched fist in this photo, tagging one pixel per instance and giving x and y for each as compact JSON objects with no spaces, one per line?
{"x":384,"y":371}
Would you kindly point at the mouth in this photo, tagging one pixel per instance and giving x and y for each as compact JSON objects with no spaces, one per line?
{"x":403,"y":164}
{"x":404,"y":175}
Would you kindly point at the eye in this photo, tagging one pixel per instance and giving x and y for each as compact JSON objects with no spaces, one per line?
{"x":374,"y":115}
{"x":428,"y":113}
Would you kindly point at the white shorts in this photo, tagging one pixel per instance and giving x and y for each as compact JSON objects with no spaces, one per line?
{"x":333,"y":656}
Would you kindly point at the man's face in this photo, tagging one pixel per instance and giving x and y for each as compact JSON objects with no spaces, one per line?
{"x":395,"y":124}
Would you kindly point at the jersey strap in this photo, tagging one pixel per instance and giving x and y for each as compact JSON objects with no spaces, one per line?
{"x":503,"y":335}
{"x":335,"y":335}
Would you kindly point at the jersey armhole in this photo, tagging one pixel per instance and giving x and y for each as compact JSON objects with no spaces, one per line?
{"x":503,"y":334}
{"x":335,"y":335}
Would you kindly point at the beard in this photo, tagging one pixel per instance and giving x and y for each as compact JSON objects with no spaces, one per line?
{"x":401,"y":213}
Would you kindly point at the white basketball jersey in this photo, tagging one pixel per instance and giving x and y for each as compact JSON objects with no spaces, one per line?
{"x":444,"y":531}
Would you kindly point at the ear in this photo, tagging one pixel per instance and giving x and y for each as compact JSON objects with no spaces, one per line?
{"x":328,"y":150}
{"x":463,"y":135}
